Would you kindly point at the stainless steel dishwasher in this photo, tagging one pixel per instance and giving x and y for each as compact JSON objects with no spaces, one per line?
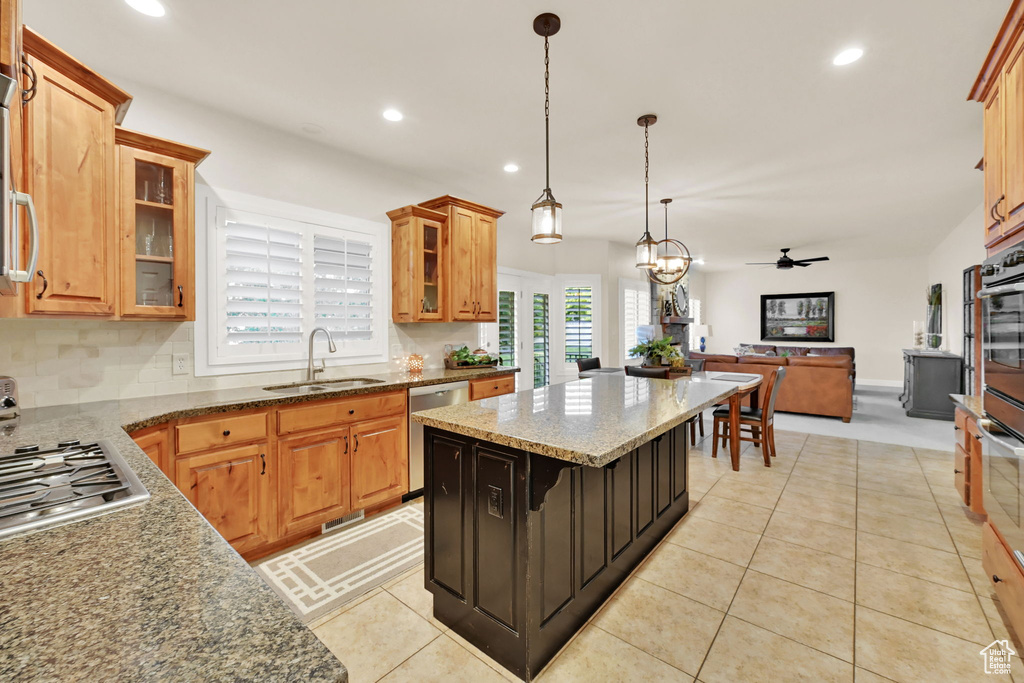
{"x":424,"y":398}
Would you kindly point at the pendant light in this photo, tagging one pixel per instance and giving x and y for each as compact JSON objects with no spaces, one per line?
{"x":547,"y":213}
{"x":647,"y":247}
{"x":671,"y":256}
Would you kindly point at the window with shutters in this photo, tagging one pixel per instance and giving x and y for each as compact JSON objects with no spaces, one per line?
{"x":541,"y":341}
{"x":579,"y":323}
{"x":635,"y":303}
{"x":274,"y":272}
{"x":507,"y":327}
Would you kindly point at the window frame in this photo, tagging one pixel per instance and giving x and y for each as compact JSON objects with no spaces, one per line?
{"x":213,"y":205}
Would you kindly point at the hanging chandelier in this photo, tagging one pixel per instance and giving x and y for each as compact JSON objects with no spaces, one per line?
{"x":647,"y":247}
{"x":671,"y":256}
{"x":547,"y":213}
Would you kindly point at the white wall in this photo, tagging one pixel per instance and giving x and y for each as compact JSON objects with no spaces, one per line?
{"x":876,"y":303}
{"x":962,"y":248}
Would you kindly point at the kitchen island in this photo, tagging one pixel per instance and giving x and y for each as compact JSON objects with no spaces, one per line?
{"x":539,"y":504}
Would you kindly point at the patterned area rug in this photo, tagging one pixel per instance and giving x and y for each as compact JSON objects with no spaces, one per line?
{"x":325,"y":573}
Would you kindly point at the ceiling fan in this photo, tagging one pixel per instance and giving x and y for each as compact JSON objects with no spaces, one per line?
{"x":785,"y":262}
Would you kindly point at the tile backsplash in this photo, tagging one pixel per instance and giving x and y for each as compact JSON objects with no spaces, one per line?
{"x":78,"y":361}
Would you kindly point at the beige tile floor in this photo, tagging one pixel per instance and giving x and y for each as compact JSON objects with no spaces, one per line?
{"x":845,"y":561}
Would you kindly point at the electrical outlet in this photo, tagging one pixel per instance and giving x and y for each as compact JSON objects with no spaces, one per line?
{"x":179,"y":364}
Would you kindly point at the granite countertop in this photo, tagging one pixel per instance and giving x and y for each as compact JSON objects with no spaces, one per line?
{"x":590,"y":421}
{"x":152,"y":592}
{"x":972,"y":404}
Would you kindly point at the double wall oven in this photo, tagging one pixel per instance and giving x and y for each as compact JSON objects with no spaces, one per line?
{"x":1002,"y":297}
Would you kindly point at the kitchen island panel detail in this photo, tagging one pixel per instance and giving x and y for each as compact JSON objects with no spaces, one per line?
{"x":541,"y":543}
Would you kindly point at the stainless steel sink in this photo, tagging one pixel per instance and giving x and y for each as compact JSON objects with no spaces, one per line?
{"x":326,"y":385}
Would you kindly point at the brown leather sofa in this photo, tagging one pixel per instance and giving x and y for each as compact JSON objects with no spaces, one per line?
{"x":817,"y":385}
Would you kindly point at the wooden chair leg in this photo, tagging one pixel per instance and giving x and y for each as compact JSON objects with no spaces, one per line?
{"x":700,"y":422}
{"x":771,"y":438}
{"x":693,"y":433}
{"x":756,"y":433}
{"x":714,"y":440}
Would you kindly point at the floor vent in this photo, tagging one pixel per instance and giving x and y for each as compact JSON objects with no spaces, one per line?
{"x":341,"y":522}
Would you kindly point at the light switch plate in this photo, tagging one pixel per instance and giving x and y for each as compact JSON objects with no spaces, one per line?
{"x":494,"y":502}
{"x":179,"y":364}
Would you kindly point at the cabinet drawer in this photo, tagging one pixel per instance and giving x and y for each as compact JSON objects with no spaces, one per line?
{"x":326,"y":414}
{"x":222,"y":431}
{"x":492,"y":386}
{"x":960,"y":427}
{"x":961,"y":476}
{"x":1000,"y":564}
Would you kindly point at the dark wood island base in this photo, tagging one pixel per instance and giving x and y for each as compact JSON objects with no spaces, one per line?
{"x":522,"y":549}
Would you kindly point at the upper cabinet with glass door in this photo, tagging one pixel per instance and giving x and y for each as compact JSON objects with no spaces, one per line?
{"x":157,"y":236}
{"x":417,"y":270}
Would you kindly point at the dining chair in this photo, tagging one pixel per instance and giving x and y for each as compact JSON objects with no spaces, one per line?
{"x":653,"y":373}
{"x":585,"y":364}
{"x":760,"y":421}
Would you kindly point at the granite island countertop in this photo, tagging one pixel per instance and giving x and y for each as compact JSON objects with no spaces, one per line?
{"x":590,"y":421}
{"x":152,"y":592}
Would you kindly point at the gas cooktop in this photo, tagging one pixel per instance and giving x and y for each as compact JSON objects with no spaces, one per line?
{"x":70,"y":482}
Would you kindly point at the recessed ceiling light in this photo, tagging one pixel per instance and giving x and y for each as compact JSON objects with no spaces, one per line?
{"x":151,"y":8}
{"x":848,"y":56}
{"x":312,"y":129}
{"x":511,"y":168}
{"x":392,"y":115}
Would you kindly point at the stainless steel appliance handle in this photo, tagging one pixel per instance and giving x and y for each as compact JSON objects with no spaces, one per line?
{"x":23,"y":199}
{"x":1019,"y":556}
{"x":985,"y":432}
{"x":1001,"y":289}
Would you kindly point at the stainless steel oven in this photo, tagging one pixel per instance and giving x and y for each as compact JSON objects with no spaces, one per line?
{"x":1002,"y":330}
{"x":11,"y":272}
{"x":1003,"y":464}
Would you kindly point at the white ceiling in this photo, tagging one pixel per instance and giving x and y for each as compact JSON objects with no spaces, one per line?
{"x":760,"y":140}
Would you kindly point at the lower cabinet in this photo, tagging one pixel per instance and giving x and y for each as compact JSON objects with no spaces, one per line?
{"x":491,"y":386}
{"x":380,"y":466}
{"x":967,"y":467}
{"x":266,"y":478}
{"x":313,"y":481}
{"x":233,"y":488}
{"x":1005,"y":575}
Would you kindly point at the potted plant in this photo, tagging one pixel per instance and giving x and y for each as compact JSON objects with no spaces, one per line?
{"x":654,"y":351}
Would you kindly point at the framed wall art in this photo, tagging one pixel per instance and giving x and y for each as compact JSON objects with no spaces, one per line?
{"x":808,"y":316}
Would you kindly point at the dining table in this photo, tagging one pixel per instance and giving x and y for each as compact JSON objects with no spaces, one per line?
{"x":748,"y":384}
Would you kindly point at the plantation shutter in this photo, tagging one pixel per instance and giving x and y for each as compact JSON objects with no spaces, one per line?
{"x":541,"y":343}
{"x":579,"y":328}
{"x":636,"y":312}
{"x":343,"y":287}
{"x":507,"y":327}
{"x":263,"y":282}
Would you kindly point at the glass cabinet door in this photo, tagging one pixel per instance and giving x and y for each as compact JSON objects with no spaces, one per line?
{"x":429,"y":271}
{"x":154,"y":255}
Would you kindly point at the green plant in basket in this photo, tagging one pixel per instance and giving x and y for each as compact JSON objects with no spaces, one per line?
{"x":655,"y":351}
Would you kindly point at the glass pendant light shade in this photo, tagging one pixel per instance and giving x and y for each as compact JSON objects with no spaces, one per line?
{"x":547,"y":220}
{"x":646,"y":251}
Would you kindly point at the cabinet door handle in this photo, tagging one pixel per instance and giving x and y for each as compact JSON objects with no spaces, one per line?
{"x":956,"y":428}
{"x":346,"y":446}
{"x":356,"y":449}
{"x":1000,"y":216}
{"x":45,"y":284}
{"x":227,"y":432}
{"x":27,"y":94}
{"x":996,"y":579}
{"x":181,"y":296}
{"x":957,"y":472}
{"x":352,"y":411}
{"x":978,"y":437}
{"x":263,"y":459}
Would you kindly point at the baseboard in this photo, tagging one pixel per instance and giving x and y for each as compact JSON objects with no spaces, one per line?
{"x":880,"y":383}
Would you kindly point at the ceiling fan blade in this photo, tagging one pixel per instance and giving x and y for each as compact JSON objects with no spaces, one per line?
{"x":811,"y":260}
{"x":762,"y":264}
{"x":801,"y":264}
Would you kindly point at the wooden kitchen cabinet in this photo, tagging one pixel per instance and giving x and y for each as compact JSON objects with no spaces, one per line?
{"x":70,"y":160}
{"x":380,"y":461}
{"x":491,"y":386}
{"x":155,"y":442}
{"x":967,"y":465}
{"x":313,"y":482}
{"x":418,"y":236}
{"x":156,"y":181}
{"x":467,"y":283}
{"x":1000,"y":86}
{"x":1004,"y":574}
{"x":233,"y":489}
